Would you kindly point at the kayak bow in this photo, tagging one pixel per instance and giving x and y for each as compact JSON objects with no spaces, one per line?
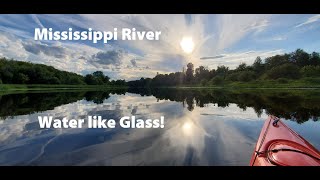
{"x":278,"y":145}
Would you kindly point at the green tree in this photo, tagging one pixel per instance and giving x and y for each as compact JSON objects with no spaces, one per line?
{"x":202,"y":73}
{"x":73,"y":80}
{"x":6,"y":74}
{"x":106,"y":79}
{"x":98,"y":74}
{"x":189,"y":72}
{"x":90,"y":79}
{"x":119,"y":82}
{"x":315,"y":59}
{"x":212,"y":73}
{"x":241,"y":67}
{"x":288,"y":71}
{"x":22,"y":78}
{"x":243,"y":76}
{"x":222,"y":71}
{"x":99,"y":77}
{"x":258,"y":66}
{"x":203,"y":82}
{"x":218,"y":80}
{"x":56,"y":80}
{"x":310,"y":71}
{"x":300,"y":57}
{"x":246,"y":76}
{"x":179,"y":78}
{"x":232,"y":76}
{"x":12,"y":71}
{"x":277,"y":60}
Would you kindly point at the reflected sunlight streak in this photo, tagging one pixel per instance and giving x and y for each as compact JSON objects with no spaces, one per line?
{"x":187,"y":128}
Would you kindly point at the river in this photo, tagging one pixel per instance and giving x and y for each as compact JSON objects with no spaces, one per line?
{"x":202,"y":127}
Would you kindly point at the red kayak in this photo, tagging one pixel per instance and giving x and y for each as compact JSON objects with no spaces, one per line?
{"x":278,"y":145}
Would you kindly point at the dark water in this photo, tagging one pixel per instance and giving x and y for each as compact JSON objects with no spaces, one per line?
{"x":202,"y":127}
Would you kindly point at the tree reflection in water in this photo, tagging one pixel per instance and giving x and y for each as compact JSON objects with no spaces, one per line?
{"x":297,"y":105}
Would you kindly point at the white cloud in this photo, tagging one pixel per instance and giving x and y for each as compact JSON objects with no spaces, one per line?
{"x":11,"y":47}
{"x":273,"y":38}
{"x":228,"y":30}
{"x":211,"y":34}
{"x":279,"y":38}
{"x":232,"y":28}
{"x":310,"y":20}
{"x":35,"y":18}
{"x":259,"y":25}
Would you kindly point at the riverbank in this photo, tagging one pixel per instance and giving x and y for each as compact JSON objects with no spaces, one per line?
{"x":48,"y":87}
{"x":306,"y":83}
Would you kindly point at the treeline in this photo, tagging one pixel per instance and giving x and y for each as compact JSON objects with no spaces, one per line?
{"x":281,"y":68}
{"x":18,"y":72}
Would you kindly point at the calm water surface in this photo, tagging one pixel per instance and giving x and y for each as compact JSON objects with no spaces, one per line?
{"x":213,"y":127}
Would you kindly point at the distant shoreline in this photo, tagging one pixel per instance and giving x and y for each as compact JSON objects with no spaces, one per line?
{"x":40,"y":87}
{"x":52,"y":87}
{"x":216,"y":87}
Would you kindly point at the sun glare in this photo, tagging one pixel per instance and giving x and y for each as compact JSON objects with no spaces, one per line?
{"x":187,"y":45}
{"x":187,"y":128}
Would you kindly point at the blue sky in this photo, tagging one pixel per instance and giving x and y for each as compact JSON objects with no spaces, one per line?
{"x":222,"y":39}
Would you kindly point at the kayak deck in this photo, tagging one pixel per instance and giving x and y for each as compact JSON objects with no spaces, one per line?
{"x":278,"y":145}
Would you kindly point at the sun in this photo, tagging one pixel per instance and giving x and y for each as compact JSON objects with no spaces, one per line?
{"x":187,"y":44}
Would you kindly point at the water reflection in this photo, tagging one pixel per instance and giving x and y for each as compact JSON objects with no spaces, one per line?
{"x":297,"y":105}
{"x":201,"y":127}
{"x":27,"y":103}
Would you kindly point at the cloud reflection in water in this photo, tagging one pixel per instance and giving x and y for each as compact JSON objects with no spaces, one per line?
{"x":209,"y":135}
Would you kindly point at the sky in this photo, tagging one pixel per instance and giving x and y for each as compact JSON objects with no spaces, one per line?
{"x":218,"y":39}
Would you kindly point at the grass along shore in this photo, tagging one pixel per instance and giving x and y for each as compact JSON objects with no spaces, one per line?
{"x":280,"y":83}
{"x":40,"y":87}
{"x":267,"y":84}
